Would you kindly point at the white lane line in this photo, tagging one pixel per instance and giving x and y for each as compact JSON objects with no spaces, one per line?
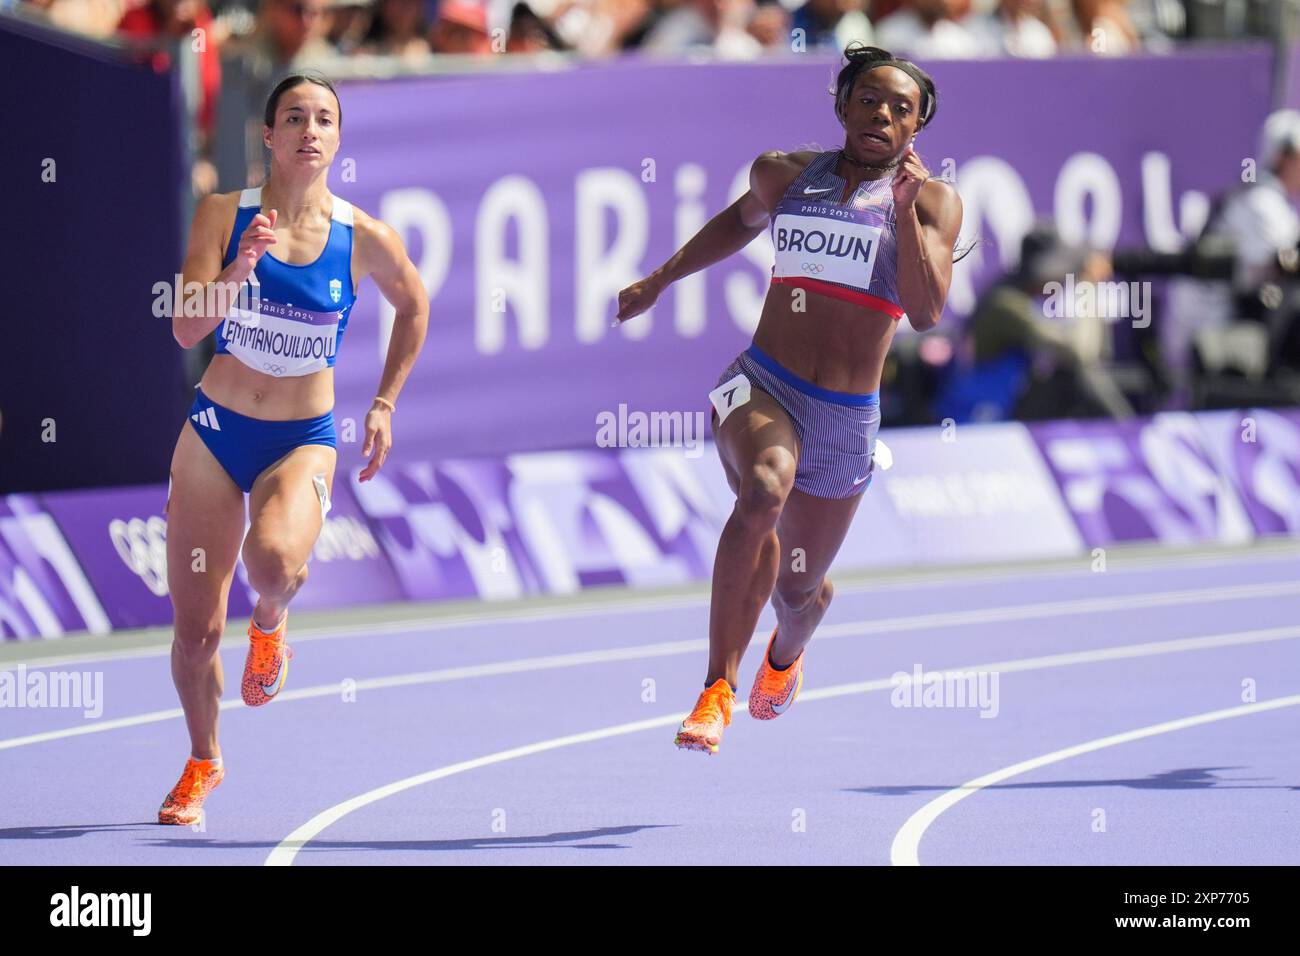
{"x":285,"y":852}
{"x":1023,"y":612}
{"x":904,"y":850}
{"x":1236,"y":592}
{"x":101,"y":726}
{"x":846,"y":629}
{"x":953,"y":575}
{"x":381,"y":683}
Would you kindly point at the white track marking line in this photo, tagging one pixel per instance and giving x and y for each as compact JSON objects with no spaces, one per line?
{"x":847,"y":629}
{"x":288,"y":848}
{"x":153,"y":717}
{"x":904,"y":850}
{"x":913,"y":622}
{"x":1022,"y":612}
{"x":954,"y":575}
{"x":381,"y":683}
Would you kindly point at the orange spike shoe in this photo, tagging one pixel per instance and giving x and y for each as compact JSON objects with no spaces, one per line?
{"x":702,"y":730}
{"x":775,"y":690}
{"x":184,"y":805}
{"x":266,"y":665}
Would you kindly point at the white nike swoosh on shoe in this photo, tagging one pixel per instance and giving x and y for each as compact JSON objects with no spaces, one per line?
{"x":279,"y":671}
{"x":789,"y":699}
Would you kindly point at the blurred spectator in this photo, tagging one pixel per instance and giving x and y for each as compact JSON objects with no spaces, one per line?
{"x":177,"y":20}
{"x":347,"y":24}
{"x":1022,"y":364}
{"x":1158,"y":23}
{"x":98,"y":18}
{"x":717,"y":24}
{"x":598,"y":27}
{"x":877,"y":10}
{"x":289,"y":34}
{"x":397,"y":29}
{"x":833,"y":23}
{"x":1105,"y":28}
{"x":1015,"y":28}
{"x":1260,"y":217}
{"x":530,"y":33}
{"x":927,"y":29}
{"x":1259,"y":220}
{"x":771,"y":25}
{"x":460,"y":27}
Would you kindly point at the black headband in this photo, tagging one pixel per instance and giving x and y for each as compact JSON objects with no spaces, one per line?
{"x":926,"y":99}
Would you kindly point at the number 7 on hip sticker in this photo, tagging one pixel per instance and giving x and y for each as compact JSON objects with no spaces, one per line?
{"x":729,"y":396}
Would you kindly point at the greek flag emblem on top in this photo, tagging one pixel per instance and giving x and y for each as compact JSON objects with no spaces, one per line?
{"x":336,"y":289}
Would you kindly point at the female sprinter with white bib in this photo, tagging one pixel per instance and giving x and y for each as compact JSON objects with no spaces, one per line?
{"x":262,"y":422}
{"x":863,"y":237}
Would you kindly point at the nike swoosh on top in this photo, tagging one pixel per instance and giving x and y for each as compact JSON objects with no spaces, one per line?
{"x":782,"y":707}
{"x":809,"y":192}
{"x":275,"y":680}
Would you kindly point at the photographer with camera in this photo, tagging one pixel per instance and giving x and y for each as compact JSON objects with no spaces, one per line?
{"x":1241,"y":331}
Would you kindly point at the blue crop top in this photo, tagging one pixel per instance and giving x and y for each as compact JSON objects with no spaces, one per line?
{"x":291,"y":319}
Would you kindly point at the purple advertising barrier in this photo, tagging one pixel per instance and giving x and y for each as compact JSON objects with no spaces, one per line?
{"x":1259,"y":452}
{"x":43,"y":592}
{"x":527,"y":201}
{"x":557,"y":522}
{"x":119,"y":536}
{"x":347,"y":565}
{"x":548,"y":523}
{"x":643,"y":516}
{"x":965,"y":494}
{"x":1146,"y":480}
{"x":447,"y":529}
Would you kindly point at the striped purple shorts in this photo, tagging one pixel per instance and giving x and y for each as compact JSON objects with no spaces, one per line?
{"x":837,"y":430}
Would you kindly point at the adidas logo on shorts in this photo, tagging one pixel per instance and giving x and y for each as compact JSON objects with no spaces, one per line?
{"x":207,"y":418}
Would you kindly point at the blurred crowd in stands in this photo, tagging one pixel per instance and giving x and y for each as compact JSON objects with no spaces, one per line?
{"x":1235,"y":292}
{"x":296,"y":31}
{"x":235,"y":50}
{"x":1214,"y":325}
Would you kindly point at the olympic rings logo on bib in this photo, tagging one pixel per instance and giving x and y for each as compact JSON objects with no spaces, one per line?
{"x":274,"y":369}
{"x":815,"y":268}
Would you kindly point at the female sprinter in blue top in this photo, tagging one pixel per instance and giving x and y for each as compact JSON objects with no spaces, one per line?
{"x":262,"y":422}
{"x":863,"y":237}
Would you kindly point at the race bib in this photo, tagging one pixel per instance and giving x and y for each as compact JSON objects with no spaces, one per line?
{"x":281,"y":340}
{"x":729,"y":396}
{"x":814,"y":247}
{"x":322,"y":492}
